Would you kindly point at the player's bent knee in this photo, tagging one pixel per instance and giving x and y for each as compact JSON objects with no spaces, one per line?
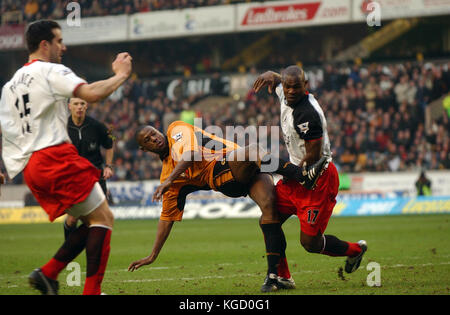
{"x":266,"y":200}
{"x":307,"y":247}
{"x":269,"y":212}
{"x":102,"y":215}
{"x":310,"y":245}
{"x":71,"y":221}
{"x":263,"y":193}
{"x":267,"y":204}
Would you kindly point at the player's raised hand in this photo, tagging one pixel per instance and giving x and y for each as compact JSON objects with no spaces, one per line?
{"x":135,"y":265}
{"x":269,"y":79}
{"x":122,"y":65}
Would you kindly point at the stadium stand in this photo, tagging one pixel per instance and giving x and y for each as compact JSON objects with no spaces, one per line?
{"x":31,"y":10}
{"x":375,"y":112}
{"x":375,"y":117}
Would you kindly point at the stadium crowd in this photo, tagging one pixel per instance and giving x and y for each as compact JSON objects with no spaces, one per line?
{"x":57,"y":9}
{"x":375,"y":115}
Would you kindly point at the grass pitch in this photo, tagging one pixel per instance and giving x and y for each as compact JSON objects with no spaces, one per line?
{"x":226,"y":257}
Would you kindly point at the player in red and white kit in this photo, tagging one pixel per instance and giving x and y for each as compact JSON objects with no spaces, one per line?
{"x":33,"y":115}
{"x":305,"y":134}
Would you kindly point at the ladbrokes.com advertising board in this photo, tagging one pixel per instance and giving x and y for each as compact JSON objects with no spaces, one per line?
{"x":281,"y":14}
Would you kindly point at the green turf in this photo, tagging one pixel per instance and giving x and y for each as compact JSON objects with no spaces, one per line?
{"x":203,"y":257}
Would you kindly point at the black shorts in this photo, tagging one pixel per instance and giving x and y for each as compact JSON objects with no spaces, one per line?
{"x":226,"y":183}
{"x":102,"y":182}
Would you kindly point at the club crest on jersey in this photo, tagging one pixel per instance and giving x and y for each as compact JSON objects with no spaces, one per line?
{"x":304,"y":127}
{"x":66,"y":71}
{"x":178,"y":136}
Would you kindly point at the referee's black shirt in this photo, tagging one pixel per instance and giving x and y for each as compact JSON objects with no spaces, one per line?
{"x":88,"y":138}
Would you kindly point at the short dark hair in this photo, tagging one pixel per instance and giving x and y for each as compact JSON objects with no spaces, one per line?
{"x":39,"y":31}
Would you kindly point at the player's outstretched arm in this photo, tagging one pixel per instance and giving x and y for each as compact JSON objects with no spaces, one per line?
{"x":99,"y":90}
{"x":186,"y":162}
{"x":270,"y":79}
{"x":164,"y":228}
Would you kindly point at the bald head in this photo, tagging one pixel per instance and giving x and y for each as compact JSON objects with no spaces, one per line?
{"x":151,"y":140}
{"x":293,"y":71}
{"x":294,"y":84}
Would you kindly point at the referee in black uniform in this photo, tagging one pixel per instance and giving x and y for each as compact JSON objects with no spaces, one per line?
{"x":88,"y":135}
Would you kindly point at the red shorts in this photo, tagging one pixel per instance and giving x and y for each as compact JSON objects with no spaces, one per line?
{"x":312,"y":207}
{"x":59,"y":178}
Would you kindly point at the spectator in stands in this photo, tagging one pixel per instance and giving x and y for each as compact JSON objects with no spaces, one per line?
{"x":31,"y":9}
{"x":446,"y":104}
{"x":58,"y":10}
{"x":383,"y":134}
{"x":439,"y":85}
{"x":423,"y":185}
{"x":401,"y":89}
{"x":96,"y":8}
{"x":370,"y":92}
{"x":331,"y":79}
{"x":47,"y":9}
{"x":2,"y":181}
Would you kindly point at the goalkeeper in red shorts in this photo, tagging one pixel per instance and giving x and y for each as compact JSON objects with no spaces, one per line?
{"x":305,"y":133}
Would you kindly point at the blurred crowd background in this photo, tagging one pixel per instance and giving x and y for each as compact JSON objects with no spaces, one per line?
{"x":375,"y":118}
{"x":32,"y":10}
{"x":375,"y":111}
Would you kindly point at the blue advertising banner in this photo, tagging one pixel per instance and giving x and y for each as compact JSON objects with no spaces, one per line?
{"x":217,"y":208}
{"x":132,"y":200}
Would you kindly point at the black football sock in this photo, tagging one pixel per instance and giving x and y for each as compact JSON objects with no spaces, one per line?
{"x":284,"y":168}
{"x":273,"y":238}
{"x":68,"y":230}
{"x":334,"y":246}
{"x":71,"y":248}
{"x":74,"y":244}
{"x":283,"y":244}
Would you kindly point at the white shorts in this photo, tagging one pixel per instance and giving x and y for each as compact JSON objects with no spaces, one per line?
{"x":92,"y":202}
